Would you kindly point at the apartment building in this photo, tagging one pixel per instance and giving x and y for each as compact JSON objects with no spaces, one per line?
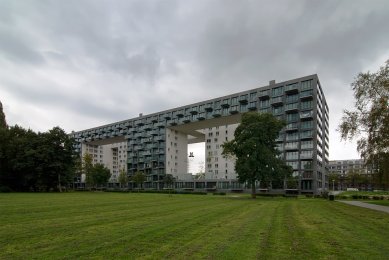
{"x":157,"y":144}
{"x":343,"y":167}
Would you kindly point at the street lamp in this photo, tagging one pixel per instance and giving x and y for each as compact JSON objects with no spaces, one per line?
{"x":333,"y":185}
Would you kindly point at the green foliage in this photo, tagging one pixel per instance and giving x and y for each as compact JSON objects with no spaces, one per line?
{"x":32,"y":161}
{"x":3,"y":123}
{"x":168,"y":180}
{"x":139,"y":178}
{"x":369,"y":122}
{"x":123,"y":178}
{"x":254,"y":148}
{"x":87,"y":168}
{"x":95,"y":174}
{"x":100,"y":174}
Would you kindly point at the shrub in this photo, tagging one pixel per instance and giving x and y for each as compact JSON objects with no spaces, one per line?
{"x":308,"y":195}
{"x":354,"y":196}
{"x":219,"y":193}
{"x":376,"y":198}
{"x":5,"y":189}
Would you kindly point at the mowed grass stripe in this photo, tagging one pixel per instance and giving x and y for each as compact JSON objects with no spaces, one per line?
{"x":159,"y":226}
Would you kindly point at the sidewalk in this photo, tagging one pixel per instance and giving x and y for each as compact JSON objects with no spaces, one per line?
{"x":366,"y":205}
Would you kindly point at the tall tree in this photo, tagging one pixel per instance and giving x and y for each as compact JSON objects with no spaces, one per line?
{"x":139,"y":178}
{"x":87,"y":167}
{"x":100,"y":175}
{"x":56,"y":154}
{"x":123,"y":178}
{"x":254,"y":148}
{"x":3,"y":123}
{"x":369,"y":122}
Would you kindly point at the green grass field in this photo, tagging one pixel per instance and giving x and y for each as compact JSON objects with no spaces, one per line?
{"x":158,"y":226}
{"x":377,"y":202}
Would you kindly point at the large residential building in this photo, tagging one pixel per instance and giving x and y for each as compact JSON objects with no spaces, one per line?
{"x":157,"y":144}
{"x":343,"y":167}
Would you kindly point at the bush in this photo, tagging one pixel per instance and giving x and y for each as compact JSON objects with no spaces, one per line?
{"x":376,"y":197}
{"x":308,"y":195}
{"x":354,"y":196}
{"x":331,"y":197}
{"x":219,"y":193}
{"x":5,"y":189}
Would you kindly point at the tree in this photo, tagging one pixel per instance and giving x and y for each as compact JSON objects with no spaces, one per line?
{"x":35,"y":161}
{"x":369,"y":122}
{"x":3,"y":123}
{"x":56,"y":154}
{"x":168,"y":180}
{"x":87,"y":167}
{"x":333,"y":179}
{"x":254,"y":148}
{"x":139,"y":178}
{"x":123,"y":178}
{"x":100,"y":174}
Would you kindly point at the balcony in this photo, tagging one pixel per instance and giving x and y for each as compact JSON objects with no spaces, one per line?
{"x":306,"y":115}
{"x":186,"y":119}
{"x":201,"y":116}
{"x":234,"y":110}
{"x":291,"y":127}
{"x":292,"y":88}
{"x":252,"y":106}
{"x":264,"y":94}
{"x":306,"y":135}
{"x":139,"y":122}
{"x":291,"y":146}
{"x":291,"y":107}
{"x":194,"y":111}
{"x":276,"y":101}
{"x":243,"y":99}
{"x":306,"y":155}
{"x":225,"y":104}
{"x":209,"y":108}
{"x":306,"y":95}
{"x":173,"y":122}
{"x":180,"y":113}
{"x":217,"y":113}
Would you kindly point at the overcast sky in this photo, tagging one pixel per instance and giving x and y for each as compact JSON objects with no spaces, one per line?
{"x":80,"y":64}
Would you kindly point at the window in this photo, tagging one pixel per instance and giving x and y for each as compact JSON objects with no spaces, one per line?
{"x":292,"y":98}
{"x":292,"y":117}
{"x":305,"y":85}
{"x":307,"y":124}
{"x":277,"y":91}
{"x":292,"y":155}
{"x":306,"y":104}
{"x":306,"y":144}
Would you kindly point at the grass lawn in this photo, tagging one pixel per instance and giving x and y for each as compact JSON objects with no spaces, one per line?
{"x":156,"y":226}
{"x":377,"y":202}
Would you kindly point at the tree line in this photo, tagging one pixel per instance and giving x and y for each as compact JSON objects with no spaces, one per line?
{"x":31,"y":161}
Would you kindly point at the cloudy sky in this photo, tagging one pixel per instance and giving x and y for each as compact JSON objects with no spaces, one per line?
{"x":79,"y":64}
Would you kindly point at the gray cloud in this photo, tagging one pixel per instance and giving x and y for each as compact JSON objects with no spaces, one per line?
{"x":87,"y":62}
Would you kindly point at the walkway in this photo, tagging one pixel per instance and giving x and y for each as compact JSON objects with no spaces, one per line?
{"x":366,"y":205}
